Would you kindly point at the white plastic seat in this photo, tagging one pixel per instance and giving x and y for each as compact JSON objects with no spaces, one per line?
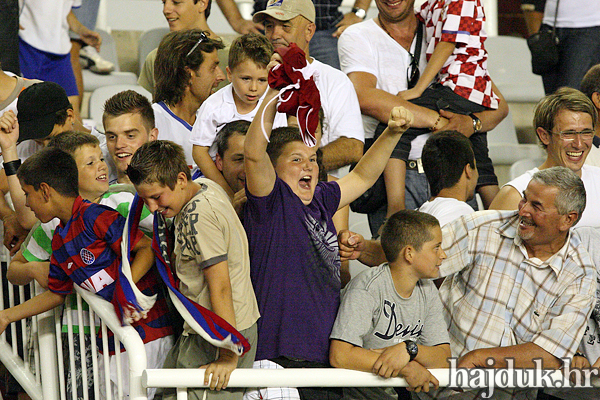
{"x":148,"y":42}
{"x":504,"y":146}
{"x":108,"y":51}
{"x":100,"y":95}
{"x":520,"y":167}
{"x":509,"y":65}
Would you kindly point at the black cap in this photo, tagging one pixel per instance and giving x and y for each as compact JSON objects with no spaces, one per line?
{"x":37,"y":106}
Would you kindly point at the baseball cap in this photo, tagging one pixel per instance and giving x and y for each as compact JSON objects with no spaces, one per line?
{"x":284,"y":10}
{"x":37,"y":106}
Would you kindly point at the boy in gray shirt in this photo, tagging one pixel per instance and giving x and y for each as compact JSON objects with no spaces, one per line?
{"x":390,"y":319}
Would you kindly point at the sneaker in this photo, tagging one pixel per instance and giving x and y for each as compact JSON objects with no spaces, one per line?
{"x":92,"y":60}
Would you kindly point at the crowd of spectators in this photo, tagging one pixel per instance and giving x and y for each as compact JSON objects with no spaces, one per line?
{"x":249,"y":201}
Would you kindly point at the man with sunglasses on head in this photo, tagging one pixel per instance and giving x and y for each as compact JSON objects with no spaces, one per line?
{"x":187,"y":72}
{"x":381,"y":56}
{"x":565,"y":124}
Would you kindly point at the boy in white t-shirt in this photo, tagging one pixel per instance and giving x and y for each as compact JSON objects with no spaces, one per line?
{"x":390,"y":320}
{"x":247,"y":71}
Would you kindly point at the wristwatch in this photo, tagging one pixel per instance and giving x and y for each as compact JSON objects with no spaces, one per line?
{"x":476,"y":123}
{"x":412,"y":349}
{"x":359,"y":12}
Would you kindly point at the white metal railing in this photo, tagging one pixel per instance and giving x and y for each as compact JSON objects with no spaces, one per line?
{"x":44,"y":376}
{"x":182,"y":379}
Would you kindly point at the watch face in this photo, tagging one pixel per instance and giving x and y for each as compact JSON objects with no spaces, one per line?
{"x":360,"y":13}
{"x":412,"y":349}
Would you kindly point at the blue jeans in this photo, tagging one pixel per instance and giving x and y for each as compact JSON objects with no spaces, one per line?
{"x":323,"y":47}
{"x":416,"y":193}
{"x":579,"y":50}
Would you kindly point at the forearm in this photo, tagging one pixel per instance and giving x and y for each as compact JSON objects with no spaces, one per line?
{"x":221,"y":295}
{"x":143,"y":260}
{"x":5,"y":209}
{"x":373,"y":254}
{"x":25,"y":216}
{"x":379,"y":103}
{"x":522,"y":354}
{"x":364,"y":4}
{"x":255,"y":145}
{"x":345,"y":355}
{"x":433,"y":356}
{"x":341,"y":152}
{"x":74,"y":24}
{"x":372,"y":164}
{"x":440,"y":55}
{"x":21,"y":272}
{"x":208,"y":167}
{"x":41,"y":303}
{"x":491,"y":118}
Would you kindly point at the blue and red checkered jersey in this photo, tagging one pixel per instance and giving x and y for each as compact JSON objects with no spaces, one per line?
{"x":87,"y":250}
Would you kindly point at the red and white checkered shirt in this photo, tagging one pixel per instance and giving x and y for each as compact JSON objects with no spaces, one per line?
{"x":465,"y":71}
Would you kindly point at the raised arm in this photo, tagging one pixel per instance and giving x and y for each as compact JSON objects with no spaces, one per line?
{"x":260,"y":173}
{"x":9,"y":134}
{"x":374,"y":161}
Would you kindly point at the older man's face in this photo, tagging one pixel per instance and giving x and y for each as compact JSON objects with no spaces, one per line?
{"x":539,"y":220}
{"x":572,"y":152}
{"x":297,"y":30}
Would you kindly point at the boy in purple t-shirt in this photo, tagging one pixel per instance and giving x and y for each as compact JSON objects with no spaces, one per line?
{"x":294,"y":262}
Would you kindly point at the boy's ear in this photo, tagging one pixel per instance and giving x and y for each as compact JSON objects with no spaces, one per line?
{"x":468,"y":171}
{"x":228,"y":71}
{"x":201,"y":6}
{"x":408,"y":252}
{"x":182,"y":180}
{"x":45,"y":191}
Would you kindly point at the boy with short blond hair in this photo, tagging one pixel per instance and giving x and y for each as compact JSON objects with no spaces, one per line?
{"x":210,"y":253}
{"x":390,"y":320}
{"x":249,"y":56}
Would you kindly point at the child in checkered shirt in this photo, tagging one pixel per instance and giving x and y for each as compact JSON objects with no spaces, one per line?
{"x":455,"y":79}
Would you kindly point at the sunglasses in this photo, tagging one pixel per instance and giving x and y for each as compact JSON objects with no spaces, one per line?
{"x":202,"y":38}
{"x":412,"y":73}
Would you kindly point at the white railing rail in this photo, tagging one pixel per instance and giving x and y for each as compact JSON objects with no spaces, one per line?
{"x":181,"y":379}
{"x":126,"y":335}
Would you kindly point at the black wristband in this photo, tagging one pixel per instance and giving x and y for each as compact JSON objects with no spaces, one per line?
{"x":11,"y":167}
